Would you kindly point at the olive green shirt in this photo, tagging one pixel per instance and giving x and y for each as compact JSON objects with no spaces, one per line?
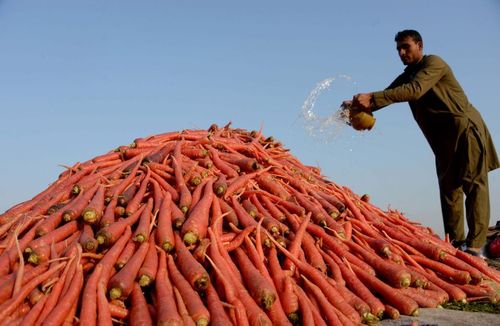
{"x":445,"y":116}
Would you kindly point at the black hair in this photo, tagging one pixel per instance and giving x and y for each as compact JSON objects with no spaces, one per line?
{"x":408,"y":33}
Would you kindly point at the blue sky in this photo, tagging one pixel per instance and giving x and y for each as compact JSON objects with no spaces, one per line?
{"x":79,"y":78}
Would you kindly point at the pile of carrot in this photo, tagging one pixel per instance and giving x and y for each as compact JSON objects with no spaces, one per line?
{"x":223,"y":227}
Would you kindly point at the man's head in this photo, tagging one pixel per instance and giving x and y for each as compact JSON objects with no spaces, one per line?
{"x":410,"y":46}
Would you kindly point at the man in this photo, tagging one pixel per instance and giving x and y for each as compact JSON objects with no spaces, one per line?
{"x":454,"y":129}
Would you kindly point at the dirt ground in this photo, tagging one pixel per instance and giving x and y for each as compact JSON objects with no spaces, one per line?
{"x":446,"y":317}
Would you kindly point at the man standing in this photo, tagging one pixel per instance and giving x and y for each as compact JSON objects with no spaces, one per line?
{"x":454,"y":129}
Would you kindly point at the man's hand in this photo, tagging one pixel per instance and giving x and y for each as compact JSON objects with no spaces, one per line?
{"x":363,"y":101}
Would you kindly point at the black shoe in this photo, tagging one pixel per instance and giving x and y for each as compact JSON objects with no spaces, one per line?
{"x":459,"y":244}
{"x":474,"y":253}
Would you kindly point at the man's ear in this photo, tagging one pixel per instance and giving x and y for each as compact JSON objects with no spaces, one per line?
{"x":420,"y":45}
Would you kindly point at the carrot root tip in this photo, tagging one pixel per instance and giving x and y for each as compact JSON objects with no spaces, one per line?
{"x":190,"y":238}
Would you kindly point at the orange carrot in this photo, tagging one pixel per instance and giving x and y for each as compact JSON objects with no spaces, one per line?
{"x":195,"y":306}
{"x":103,"y":310}
{"x":147,"y":272}
{"x":193,"y":272}
{"x":258,"y":286}
{"x":122,"y":282}
{"x":126,"y":254}
{"x":10,"y":305}
{"x":195,"y":226}
{"x":93,"y":212}
{"x":108,"y":235}
{"x":134,"y":203}
{"x":87,"y":240}
{"x":394,"y":297}
{"x":88,"y":313}
{"x":66,"y":301}
{"x":164,"y":231}
{"x":167,"y":313}
{"x":142,"y":229}
{"x":109,"y":259}
{"x":181,"y":307}
{"x":139,"y":313}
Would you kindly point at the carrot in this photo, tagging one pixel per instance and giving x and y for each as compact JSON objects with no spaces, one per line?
{"x":217,"y":314}
{"x":241,"y":181}
{"x":109,"y":234}
{"x":108,"y":216}
{"x":165,"y":185}
{"x":404,"y":304}
{"x":133,"y":204}
{"x":195,"y":306}
{"x":75,"y":208}
{"x":178,"y":217}
{"x":284,"y":286}
{"x":93,"y":212}
{"x":267,"y":182}
{"x":128,"y":193}
{"x":87,"y":240}
{"x":139,"y":313}
{"x":65,"y":303}
{"x":396,"y":275}
{"x":157,"y":196}
{"x":238,"y":239}
{"x":320,"y":280}
{"x":201,"y":249}
{"x":57,"y":235}
{"x":164,"y":231}
{"x":391,"y":312}
{"x":223,"y":166}
{"x":88,"y":313}
{"x":131,"y":170}
{"x":310,"y":314}
{"x":326,"y":308}
{"x":195,"y":226}
{"x":193,"y":272}
{"x":181,"y":307}
{"x":122,"y":282}
{"x":142,"y":229}
{"x":229,"y":214}
{"x":10,"y":305}
{"x":457,"y":276}
{"x":452,"y":261}
{"x":118,"y":311}
{"x":258,"y":286}
{"x":31,"y":317}
{"x":103,"y":310}
{"x":220,"y":185}
{"x":7,"y":283}
{"x":40,"y":254}
{"x":109,"y":259}
{"x":167,"y":313}
{"x":160,"y":155}
{"x":185,"y":195}
{"x":147,"y":272}
{"x":126,"y":254}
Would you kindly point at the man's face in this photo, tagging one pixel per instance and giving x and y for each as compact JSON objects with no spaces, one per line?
{"x":409,"y":51}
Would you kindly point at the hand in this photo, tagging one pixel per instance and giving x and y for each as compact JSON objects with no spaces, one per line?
{"x":363,"y":101}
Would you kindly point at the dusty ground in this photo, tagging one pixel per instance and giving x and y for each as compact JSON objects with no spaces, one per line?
{"x":446,"y":317}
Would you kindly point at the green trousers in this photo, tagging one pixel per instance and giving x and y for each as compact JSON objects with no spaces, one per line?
{"x":467,"y":175}
{"x":477,"y":211}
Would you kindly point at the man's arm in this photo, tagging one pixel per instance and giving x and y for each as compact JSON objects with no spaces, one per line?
{"x":433,"y":70}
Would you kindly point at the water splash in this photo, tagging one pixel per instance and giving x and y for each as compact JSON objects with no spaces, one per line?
{"x":327,"y":126}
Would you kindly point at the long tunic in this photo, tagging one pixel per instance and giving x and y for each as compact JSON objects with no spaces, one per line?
{"x":446,"y":117}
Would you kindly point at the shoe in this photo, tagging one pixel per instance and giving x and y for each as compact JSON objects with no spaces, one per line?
{"x":459,"y":244}
{"x":475,"y":253}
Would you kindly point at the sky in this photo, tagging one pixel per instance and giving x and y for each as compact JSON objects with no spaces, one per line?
{"x":80,"y":78}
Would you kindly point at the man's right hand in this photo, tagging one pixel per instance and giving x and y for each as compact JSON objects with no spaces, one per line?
{"x":363,"y":102}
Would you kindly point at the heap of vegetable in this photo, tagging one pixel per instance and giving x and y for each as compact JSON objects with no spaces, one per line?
{"x":219,"y":226}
